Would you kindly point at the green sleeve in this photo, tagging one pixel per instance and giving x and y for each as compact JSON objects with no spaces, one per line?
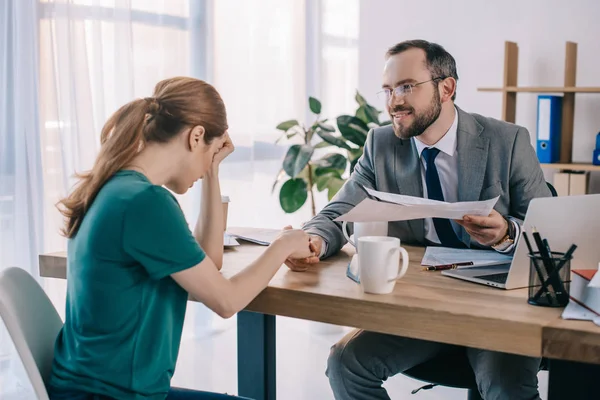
{"x":156,"y":234}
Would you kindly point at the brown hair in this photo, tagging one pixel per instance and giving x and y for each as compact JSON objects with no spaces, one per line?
{"x":439,"y":62}
{"x":177,"y":103}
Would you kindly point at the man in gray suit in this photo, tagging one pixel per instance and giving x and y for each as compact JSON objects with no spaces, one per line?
{"x":433,"y":149}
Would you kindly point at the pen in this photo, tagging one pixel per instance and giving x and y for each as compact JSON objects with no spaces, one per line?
{"x":564,"y":260}
{"x":548,"y":262}
{"x":447,"y":266}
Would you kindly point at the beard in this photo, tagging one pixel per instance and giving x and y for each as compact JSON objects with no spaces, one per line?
{"x":422,"y":120}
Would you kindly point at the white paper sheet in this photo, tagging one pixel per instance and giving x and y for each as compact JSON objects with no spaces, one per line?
{"x":414,"y":208}
{"x":402,"y":199}
{"x":445,"y":255}
{"x":576,"y":311}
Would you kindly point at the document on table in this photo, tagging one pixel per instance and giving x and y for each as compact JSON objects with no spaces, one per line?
{"x":229,"y":241}
{"x":577,"y":311}
{"x":263,"y":237}
{"x":381,"y":206}
{"x":445,"y":255}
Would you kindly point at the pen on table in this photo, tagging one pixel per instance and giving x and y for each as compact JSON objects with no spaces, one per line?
{"x":447,"y":266}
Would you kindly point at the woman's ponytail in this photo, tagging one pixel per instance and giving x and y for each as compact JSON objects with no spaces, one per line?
{"x":121,"y":139}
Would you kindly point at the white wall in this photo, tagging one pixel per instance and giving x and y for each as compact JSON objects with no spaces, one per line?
{"x":474,"y":32}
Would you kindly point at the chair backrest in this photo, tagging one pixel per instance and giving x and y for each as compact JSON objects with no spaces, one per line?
{"x":32,"y":322}
{"x":552,"y":189}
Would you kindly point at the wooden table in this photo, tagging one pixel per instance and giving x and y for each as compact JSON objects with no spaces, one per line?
{"x":424,"y":305}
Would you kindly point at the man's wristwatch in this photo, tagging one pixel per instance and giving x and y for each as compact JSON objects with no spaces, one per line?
{"x":508,"y":239}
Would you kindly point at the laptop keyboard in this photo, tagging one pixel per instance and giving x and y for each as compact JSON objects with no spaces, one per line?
{"x":498,"y":278}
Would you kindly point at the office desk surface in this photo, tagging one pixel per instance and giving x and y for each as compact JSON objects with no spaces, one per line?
{"x":572,"y":340}
{"x":423,"y":305}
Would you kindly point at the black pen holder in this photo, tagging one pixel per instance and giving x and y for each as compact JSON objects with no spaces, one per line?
{"x":549,"y":279}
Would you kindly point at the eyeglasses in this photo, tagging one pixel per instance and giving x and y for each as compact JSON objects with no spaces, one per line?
{"x":402,"y":90}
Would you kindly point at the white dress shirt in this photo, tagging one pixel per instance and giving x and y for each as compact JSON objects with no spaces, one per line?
{"x":447,"y":166}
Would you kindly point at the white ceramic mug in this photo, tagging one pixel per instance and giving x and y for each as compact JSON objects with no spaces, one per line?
{"x":379,"y":263}
{"x":379,"y":228}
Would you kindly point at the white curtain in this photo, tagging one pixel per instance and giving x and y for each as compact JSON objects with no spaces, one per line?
{"x":269,"y":56}
{"x":21,"y":183}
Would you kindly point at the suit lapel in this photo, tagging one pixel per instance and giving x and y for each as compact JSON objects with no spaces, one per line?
{"x":472,"y":151}
{"x":408,"y":178}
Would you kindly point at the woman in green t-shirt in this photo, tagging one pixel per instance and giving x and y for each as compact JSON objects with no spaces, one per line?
{"x":133,"y":261}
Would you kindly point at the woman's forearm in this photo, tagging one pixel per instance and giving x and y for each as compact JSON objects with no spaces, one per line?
{"x":210,"y":225}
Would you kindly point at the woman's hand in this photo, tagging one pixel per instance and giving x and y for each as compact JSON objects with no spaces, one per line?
{"x":226,"y":149}
{"x":296,"y":242}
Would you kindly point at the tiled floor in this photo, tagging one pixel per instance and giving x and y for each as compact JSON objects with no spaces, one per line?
{"x":207,"y":361}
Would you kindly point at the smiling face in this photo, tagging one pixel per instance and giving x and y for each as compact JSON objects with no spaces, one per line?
{"x":411,"y":113}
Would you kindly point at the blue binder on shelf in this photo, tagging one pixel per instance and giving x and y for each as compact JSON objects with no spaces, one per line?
{"x":549,"y":117}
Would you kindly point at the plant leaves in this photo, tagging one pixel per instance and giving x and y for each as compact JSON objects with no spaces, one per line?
{"x":324,"y":170}
{"x":359,"y":99}
{"x":297,"y":158}
{"x":323,"y":181}
{"x":315,"y":105}
{"x":334,"y":185}
{"x":329,"y":138}
{"x":353,"y":165}
{"x":326,"y":127}
{"x":323,"y":145}
{"x":367,"y":114}
{"x":280,"y":175}
{"x":284,"y":126}
{"x":353,"y":156}
{"x":353,"y":129}
{"x":333,"y":161}
{"x":293,"y":195}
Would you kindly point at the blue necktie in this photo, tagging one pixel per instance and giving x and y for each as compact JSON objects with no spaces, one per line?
{"x":443,"y":227}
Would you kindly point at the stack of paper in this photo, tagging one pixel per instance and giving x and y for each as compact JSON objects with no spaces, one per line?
{"x":381,"y":206}
{"x":446,"y":255}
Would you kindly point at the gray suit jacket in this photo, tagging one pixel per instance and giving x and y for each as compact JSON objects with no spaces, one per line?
{"x":495,"y":158}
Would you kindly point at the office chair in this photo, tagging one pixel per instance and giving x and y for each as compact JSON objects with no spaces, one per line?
{"x":552,"y":190}
{"x":452,"y":369}
{"x":32,"y":322}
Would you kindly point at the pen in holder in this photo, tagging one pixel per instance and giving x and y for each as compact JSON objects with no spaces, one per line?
{"x":549,"y":279}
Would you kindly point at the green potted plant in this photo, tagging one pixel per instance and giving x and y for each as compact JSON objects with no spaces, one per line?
{"x":302,"y":170}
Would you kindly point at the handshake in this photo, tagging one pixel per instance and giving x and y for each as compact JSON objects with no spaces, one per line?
{"x":304,"y":248}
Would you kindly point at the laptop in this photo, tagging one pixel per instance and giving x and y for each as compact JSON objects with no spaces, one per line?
{"x":563,"y":221}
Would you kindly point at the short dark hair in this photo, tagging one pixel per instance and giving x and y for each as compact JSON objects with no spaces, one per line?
{"x":439,"y":62}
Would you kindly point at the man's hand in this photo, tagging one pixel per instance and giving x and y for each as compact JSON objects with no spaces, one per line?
{"x":302,"y":264}
{"x":485,"y":230}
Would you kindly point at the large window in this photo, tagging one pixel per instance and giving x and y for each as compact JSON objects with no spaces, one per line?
{"x":264,"y":56}
{"x":96,"y":55}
